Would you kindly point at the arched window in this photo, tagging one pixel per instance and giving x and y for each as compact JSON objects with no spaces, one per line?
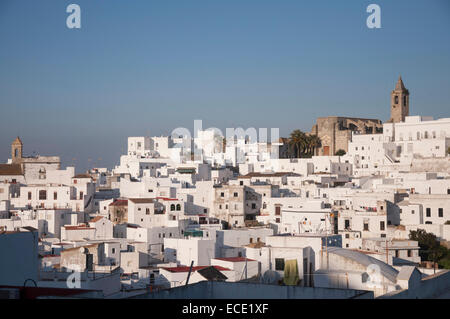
{"x":426,"y":134}
{"x":178,"y":207}
{"x":42,"y":195}
{"x":396,"y":99}
{"x":404,"y":100}
{"x":172,"y":207}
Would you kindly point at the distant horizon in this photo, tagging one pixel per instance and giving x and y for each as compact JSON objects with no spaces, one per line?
{"x":143,"y":68}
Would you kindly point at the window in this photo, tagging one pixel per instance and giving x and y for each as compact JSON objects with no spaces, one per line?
{"x":222,"y":194}
{"x":396,"y":99}
{"x":428,"y":212}
{"x":113,"y":250}
{"x":366,"y":226}
{"x":396,"y":254}
{"x":241,"y":183}
{"x":277,"y":220}
{"x":251,"y":240}
{"x":279,"y":264}
{"x":178,"y":207}
{"x":235,"y":194}
{"x":253,"y":206}
{"x":55,"y":195}
{"x":29,"y":195}
{"x":278,"y":210}
{"x":409,"y":253}
{"x":172,"y":207}
{"x":42,"y":195}
{"x":347,"y":224}
{"x":382,"y":225}
{"x":147,"y":211}
{"x":441,"y":212}
{"x":81,"y":195}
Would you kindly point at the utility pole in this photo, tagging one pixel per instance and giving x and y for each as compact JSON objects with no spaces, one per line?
{"x":189,"y":274}
{"x":245,"y":268}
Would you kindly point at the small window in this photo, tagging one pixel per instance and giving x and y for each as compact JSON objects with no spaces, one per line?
{"x":441,"y":212}
{"x":235,"y":194}
{"x":279,"y":264}
{"x":428,"y":212}
{"x":42,"y":195}
{"x":409,"y":253}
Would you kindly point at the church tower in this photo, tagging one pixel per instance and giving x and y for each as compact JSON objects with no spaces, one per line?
{"x":16,"y":151}
{"x":399,"y":102}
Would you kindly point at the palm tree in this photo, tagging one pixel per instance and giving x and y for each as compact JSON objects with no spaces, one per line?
{"x":297,"y":140}
{"x":313,"y":143}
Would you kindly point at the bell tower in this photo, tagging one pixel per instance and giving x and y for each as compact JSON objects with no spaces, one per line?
{"x":16,"y":150}
{"x":399,"y":102}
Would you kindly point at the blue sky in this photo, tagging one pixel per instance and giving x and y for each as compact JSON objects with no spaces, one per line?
{"x":145,"y":67}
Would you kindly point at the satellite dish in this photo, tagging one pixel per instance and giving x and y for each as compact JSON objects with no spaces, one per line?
{"x":270,"y":277}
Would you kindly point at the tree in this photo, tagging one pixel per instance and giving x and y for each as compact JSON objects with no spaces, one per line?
{"x":430,"y":247}
{"x":340,"y":152}
{"x":313,"y":142}
{"x":297,"y":141}
{"x":302,"y":144}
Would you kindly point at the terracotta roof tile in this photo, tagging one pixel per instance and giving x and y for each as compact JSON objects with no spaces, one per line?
{"x":11,"y":169}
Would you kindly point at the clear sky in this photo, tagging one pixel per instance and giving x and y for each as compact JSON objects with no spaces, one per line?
{"x":145,"y":67}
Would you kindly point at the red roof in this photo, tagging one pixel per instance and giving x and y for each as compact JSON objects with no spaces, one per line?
{"x":195,"y":268}
{"x":119,"y":202}
{"x":166,"y":198}
{"x":77,"y":227}
{"x":95,"y":219}
{"x":235,"y":259}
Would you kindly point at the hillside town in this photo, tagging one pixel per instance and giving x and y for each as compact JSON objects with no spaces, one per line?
{"x":354,"y":208}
